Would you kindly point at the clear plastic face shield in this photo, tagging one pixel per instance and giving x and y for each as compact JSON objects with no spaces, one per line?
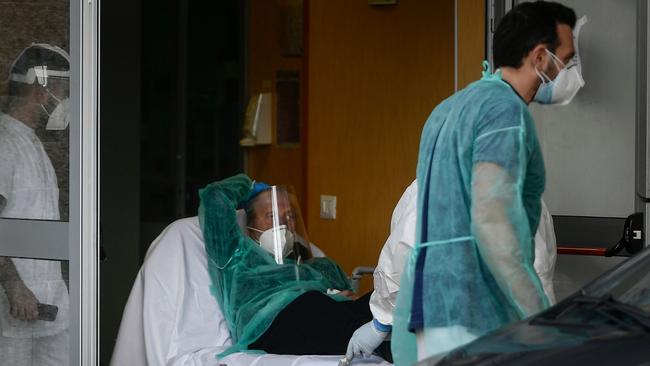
{"x":274,"y":221}
{"x":54,"y":80}
{"x":57,"y":108}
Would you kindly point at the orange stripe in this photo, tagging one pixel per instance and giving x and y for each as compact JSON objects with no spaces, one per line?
{"x":582,"y":251}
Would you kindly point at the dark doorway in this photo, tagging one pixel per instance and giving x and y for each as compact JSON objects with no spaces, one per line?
{"x":172,"y":100}
{"x":192,"y":104}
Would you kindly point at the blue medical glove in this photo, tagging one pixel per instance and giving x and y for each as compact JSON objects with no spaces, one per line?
{"x":367,"y":338}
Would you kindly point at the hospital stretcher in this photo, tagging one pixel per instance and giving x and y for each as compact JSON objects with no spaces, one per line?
{"x":172,"y":319}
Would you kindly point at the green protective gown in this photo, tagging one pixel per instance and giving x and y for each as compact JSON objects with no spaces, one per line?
{"x":249,"y":285}
{"x":482,"y":175}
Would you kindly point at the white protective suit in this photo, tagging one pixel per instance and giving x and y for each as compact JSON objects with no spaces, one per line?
{"x":402,"y":238}
{"x":546,"y":252}
{"x":172,"y":319}
{"x":29,"y":186}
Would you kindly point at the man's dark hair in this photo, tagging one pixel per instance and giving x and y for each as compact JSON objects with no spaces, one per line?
{"x":527,"y":25}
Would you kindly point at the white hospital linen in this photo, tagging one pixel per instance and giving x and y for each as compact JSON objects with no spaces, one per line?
{"x":29,"y":186}
{"x":243,"y":359}
{"x":402,"y":238}
{"x":171,"y":316}
{"x":172,"y":319}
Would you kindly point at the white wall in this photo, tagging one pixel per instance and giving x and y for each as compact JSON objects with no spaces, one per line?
{"x":589,"y":144}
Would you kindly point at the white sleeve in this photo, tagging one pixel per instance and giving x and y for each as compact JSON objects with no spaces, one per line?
{"x":393,"y":257}
{"x":6,"y":171}
{"x":546,"y":252}
{"x":496,"y":215}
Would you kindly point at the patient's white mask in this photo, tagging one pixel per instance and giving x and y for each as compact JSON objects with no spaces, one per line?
{"x":276,"y":240}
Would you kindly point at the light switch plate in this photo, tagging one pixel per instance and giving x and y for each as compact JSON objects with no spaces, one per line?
{"x":327,"y":207}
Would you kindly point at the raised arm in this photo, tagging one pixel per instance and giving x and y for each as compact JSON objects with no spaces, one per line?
{"x":218,"y":218}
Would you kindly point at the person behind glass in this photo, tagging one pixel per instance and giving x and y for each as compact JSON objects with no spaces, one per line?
{"x":37,"y":98}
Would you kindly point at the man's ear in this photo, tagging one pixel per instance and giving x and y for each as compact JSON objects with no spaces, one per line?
{"x":538,"y":57}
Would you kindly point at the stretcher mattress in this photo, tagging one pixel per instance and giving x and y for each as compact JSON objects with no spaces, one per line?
{"x":172,"y":319}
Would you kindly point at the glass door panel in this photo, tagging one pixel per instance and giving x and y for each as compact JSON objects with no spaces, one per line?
{"x":44,"y":62}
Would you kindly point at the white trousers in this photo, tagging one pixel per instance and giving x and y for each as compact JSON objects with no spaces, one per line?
{"x":437,"y":341}
{"x":46,"y":351}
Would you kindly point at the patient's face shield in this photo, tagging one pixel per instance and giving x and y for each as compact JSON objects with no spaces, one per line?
{"x":275,"y":222}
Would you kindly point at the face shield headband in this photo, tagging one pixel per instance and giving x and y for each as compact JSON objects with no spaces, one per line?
{"x":40,"y":73}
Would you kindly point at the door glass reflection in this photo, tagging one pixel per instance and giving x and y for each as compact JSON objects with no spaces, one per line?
{"x":34,"y":175}
{"x":34,"y":117}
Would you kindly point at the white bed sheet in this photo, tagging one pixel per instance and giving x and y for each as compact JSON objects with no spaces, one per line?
{"x":285,"y":360}
{"x":172,"y":319}
{"x":206,"y":358}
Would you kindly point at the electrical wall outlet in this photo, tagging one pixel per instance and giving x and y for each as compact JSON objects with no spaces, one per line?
{"x":327,"y":207}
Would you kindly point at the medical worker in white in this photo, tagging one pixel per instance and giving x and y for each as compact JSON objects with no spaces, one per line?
{"x":37,"y":98}
{"x":391,"y":264}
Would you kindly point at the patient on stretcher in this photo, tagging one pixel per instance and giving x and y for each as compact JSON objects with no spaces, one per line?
{"x":266,"y":280}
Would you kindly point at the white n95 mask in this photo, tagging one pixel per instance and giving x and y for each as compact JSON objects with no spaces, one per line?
{"x":277,"y":240}
{"x":565,"y":86}
{"x":60,"y":116}
{"x":59,"y":119}
{"x":569,"y":79}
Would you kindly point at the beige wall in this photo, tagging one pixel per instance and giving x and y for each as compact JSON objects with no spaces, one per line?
{"x":271,"y":163}
{"x":375,"y":73}
{"x":471,"y":40}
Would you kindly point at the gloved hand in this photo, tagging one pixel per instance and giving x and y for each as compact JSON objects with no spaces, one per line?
{"x":365,"y":340}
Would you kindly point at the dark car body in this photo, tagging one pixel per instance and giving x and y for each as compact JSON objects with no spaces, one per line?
{"x":605,"y":323}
